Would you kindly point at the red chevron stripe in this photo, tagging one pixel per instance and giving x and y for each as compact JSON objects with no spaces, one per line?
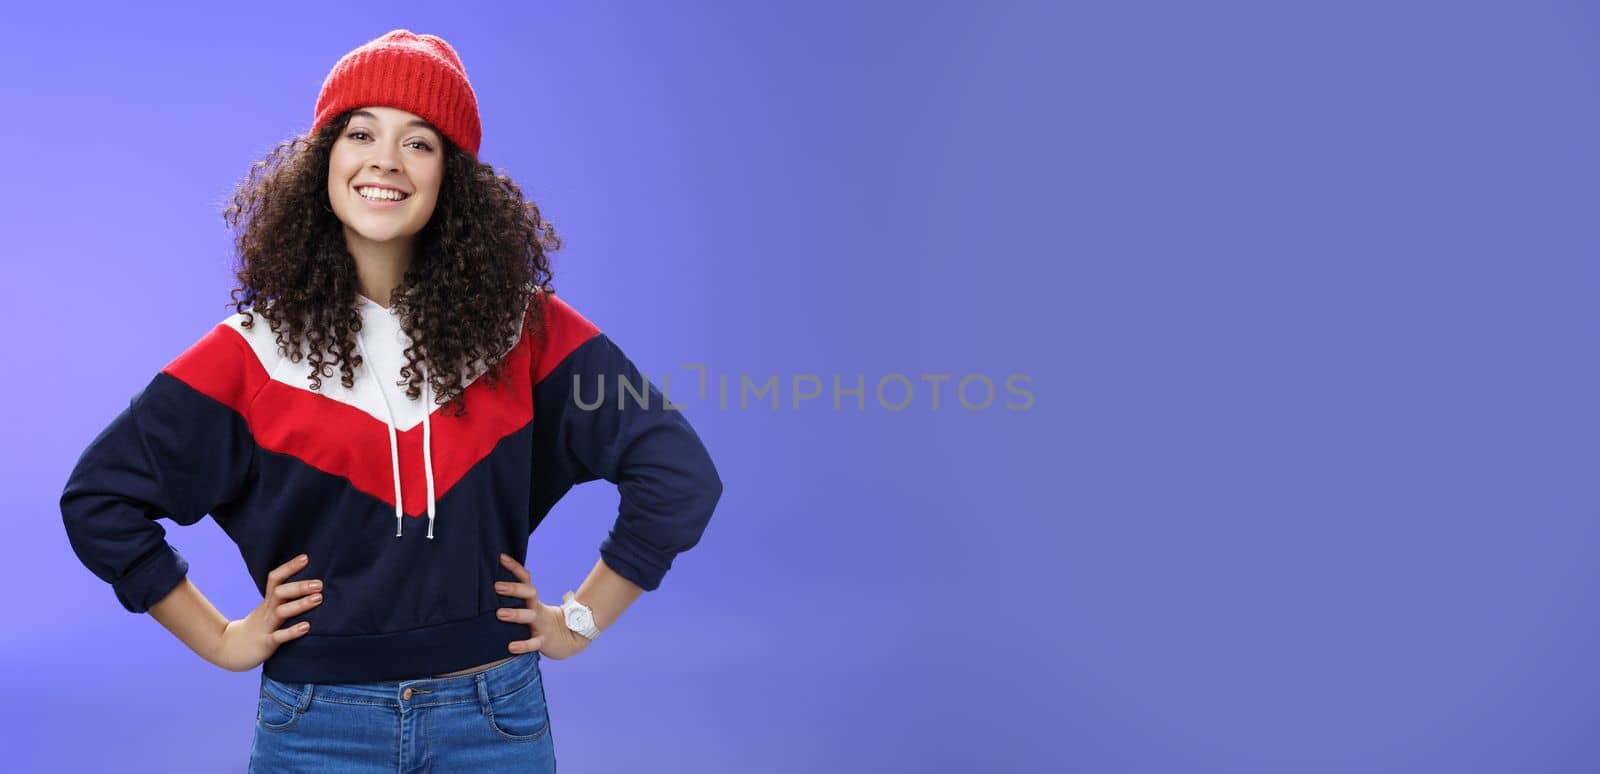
{"x":345,"y":441}
{"x":222,"y":365}
{"x":565,"y":331}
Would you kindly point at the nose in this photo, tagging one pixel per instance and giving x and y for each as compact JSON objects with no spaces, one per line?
{"x":383,"y":158}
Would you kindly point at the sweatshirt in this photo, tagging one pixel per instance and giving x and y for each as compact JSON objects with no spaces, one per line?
{"x":402,"y":507}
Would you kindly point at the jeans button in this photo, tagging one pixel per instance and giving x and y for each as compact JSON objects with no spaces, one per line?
{"x":406,"y":694}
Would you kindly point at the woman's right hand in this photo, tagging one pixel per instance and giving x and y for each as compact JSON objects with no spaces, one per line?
{"x":251,"y":640}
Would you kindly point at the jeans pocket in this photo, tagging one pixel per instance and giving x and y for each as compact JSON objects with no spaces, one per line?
{"x":278,"y":706}
{"x":520,"y":715}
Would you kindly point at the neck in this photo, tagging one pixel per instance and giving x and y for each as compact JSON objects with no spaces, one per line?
{"x":380,"y":266}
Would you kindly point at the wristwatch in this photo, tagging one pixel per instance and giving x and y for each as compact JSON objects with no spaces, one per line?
{"x":579,"y":617}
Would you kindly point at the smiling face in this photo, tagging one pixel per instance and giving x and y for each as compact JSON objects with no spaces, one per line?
{"x":385,"y":148}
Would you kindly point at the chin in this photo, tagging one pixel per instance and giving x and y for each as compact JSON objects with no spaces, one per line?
{"x":380,"y":235}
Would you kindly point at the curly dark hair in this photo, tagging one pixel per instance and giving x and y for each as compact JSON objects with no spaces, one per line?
{"x":479,"y":263}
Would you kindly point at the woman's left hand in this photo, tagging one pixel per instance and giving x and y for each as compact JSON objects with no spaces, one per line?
{"x":551,"y":637}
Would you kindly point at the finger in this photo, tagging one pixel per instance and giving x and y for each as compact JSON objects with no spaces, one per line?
{"x":526,"y":646}
{"x":282,"y":572}
{"x":518,"y":615}
{"x":292,"y":609}
{"x":516,"y":568}
{"x":287,"y":633}
{"x":297,"y":589}
{"x":523,"y":590}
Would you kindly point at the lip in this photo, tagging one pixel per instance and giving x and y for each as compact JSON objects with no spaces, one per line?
{"x":379,"y":205}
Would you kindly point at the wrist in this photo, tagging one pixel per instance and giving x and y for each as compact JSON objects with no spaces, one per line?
{"x":579,"y":618}
{"x":214,"y":648}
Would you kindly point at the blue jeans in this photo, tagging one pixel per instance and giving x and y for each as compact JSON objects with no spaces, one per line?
{"x":493,"y":720}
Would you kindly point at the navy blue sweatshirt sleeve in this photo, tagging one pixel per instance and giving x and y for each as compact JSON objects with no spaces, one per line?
{"x":174,"y":452}
{"x":597,"y":417}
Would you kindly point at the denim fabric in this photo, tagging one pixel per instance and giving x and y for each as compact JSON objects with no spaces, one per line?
{"x":494,"y":720}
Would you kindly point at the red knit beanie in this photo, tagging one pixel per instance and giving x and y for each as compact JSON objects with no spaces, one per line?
{"x":419,"y":74}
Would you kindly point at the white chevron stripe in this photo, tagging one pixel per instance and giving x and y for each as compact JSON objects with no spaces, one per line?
{"x":385,"y":344}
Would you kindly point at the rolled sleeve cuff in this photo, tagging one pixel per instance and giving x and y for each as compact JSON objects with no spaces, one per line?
{"x":152,"y":579}
{"x":640,"y":564}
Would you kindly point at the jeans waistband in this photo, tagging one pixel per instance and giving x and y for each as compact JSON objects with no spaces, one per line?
{"x":420,"y":692}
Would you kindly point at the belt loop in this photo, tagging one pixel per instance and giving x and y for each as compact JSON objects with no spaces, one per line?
{"x":483,"y":690}
{"x":305,"y":696}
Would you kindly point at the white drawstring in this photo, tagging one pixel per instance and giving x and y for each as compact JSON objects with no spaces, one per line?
{"x":427,"y":446}
{"x":394,"y":443}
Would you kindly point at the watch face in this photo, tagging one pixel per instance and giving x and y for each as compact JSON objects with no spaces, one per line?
{"x":580,"y":618}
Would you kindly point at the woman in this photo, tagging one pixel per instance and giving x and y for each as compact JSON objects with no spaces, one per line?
{"x":376,"y":247}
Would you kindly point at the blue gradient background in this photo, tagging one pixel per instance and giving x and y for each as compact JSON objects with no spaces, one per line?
{"x":1306,"y":294}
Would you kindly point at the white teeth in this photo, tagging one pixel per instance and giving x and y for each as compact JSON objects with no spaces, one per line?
{"x":380,"y":193}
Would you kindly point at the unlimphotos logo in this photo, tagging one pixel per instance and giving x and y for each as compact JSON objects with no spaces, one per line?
{"x":893,"y":391}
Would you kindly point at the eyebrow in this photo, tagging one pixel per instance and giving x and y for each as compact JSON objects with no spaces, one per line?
{"x":412,"y":122}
